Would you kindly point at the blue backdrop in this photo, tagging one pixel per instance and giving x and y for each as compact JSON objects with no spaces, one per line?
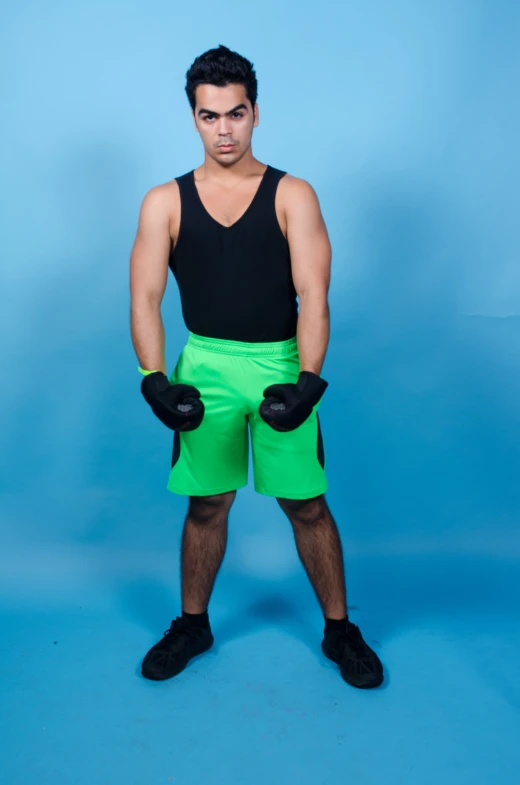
{"x":404,"y":116}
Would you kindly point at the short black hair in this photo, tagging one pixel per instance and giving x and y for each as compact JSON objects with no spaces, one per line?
{"x":221,"y":67}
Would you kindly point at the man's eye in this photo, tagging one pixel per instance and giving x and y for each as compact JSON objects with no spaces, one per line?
{"x":237,"y":114}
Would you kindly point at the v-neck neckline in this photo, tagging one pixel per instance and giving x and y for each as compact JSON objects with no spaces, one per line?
{"x":248,"y":208}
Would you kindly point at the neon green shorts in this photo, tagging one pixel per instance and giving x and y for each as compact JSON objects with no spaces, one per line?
{"x":231,"y":377}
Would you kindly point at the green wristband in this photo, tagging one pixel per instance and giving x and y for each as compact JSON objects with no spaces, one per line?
{"x":145,"y":373}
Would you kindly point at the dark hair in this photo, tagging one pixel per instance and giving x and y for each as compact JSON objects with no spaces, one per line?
{"x":221,"y":67}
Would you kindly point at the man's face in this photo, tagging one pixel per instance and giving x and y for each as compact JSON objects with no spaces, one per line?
{"x":225,"y":120}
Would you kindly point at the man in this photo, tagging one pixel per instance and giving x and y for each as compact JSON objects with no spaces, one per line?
{"x":244,"y":241}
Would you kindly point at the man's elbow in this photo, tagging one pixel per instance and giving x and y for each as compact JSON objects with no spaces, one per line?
{"x":315,"y":297}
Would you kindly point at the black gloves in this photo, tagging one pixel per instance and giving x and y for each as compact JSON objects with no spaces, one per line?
{"x":286,"y":406}
{"x":178,"y":406}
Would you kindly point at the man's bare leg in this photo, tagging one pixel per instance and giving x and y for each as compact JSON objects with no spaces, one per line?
{"x":203,"y":546}
{"x":319,"y":547}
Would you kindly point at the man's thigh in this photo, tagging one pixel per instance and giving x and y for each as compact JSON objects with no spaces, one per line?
{"x":212,"y":459}
{"x":289,"y":465}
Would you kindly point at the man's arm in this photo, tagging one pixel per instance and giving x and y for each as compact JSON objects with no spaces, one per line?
{"x":148,"y":277}
{"x":310,"y":250}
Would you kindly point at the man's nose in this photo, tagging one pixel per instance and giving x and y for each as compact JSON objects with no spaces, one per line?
{"x":224,"y":127}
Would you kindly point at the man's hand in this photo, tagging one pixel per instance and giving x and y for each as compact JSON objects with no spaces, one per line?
{"x":286,"y":406}
{"x":178,"y":406}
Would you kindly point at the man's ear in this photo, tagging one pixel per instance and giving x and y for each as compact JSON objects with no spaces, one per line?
{"x":194,"y":120}
{"x":256,"y":112}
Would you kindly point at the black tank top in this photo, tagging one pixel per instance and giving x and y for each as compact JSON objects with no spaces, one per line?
{"x":235,"y":282}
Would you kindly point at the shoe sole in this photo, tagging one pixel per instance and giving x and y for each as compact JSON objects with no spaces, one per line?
{"x":180,"y":669}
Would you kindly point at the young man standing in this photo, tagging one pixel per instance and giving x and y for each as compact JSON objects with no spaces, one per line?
{"x":245,"y":242}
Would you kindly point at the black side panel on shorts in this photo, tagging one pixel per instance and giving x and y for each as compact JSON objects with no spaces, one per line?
{"x":321,"y":450}
{"x":176,"y":448}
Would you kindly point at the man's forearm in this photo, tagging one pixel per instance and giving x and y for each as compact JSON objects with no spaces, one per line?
{"x":148,"y":335}
{"x":313,"y":332}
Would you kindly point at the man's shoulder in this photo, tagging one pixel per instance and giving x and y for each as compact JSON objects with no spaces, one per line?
{"x":163,"y":196}
{"x":164,"y":189}
{"x":296,"y":188}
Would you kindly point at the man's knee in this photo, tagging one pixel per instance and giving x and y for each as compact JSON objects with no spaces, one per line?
{"x":308,"y":511}
{"x":206,"y":509}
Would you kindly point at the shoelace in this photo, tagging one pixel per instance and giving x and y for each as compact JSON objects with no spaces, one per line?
{"x":179,"y":628}
{"x":355,"y":639}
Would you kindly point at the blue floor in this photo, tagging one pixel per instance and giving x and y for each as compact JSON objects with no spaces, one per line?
{"x":264,"y":706}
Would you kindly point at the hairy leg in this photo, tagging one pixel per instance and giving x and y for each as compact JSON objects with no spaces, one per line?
{"x":202,"y":549}
{"x":319,"y":547}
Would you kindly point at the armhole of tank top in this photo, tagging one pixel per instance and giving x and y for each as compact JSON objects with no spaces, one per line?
{"x":284,"y":238}
{"x":173,"y":248}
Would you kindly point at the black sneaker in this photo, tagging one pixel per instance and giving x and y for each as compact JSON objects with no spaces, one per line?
{"x":171,"y":654}
{"x":358,"y":664}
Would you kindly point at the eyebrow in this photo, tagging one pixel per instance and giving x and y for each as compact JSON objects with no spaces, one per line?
{"x":210,"y":111}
